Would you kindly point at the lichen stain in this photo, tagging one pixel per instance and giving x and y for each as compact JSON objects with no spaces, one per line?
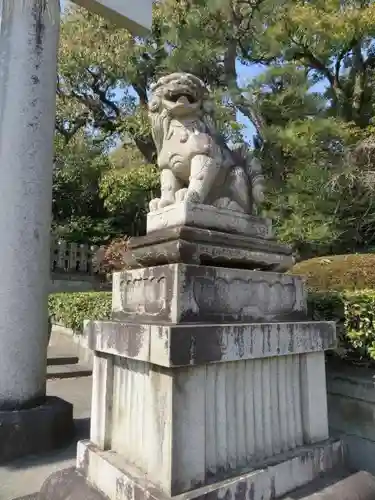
{"x":239,"y":341}
{"x":124,"y":338}
{"x":241,"y":490}
{"x":38,"y":11}
{"x":251,"y":494}
{"x":273,"y":488}
{"x":35,"y":79}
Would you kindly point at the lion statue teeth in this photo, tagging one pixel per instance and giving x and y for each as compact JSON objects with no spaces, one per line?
{"x":196,"y":165}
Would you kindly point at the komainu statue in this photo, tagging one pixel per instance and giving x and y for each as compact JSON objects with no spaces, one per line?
{"x":196,"y":165}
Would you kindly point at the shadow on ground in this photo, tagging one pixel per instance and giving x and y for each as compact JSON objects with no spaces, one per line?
{"x":82,"y":427}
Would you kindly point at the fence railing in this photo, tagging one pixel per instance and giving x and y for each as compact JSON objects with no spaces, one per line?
{"x":71,"y":257}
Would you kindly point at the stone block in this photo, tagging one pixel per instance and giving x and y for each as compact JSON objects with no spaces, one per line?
{"x":191,"y":245}
{"x":182,"y":293}
{"x":118,"y":479}
{"x":35,"y":430}
{"x":186,"y":345}
{"x":209,"y":217}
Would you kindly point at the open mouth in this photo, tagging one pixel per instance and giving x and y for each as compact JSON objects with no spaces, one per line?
{"x":181,"y":97}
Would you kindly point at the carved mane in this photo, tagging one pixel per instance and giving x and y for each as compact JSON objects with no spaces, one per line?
{"x":160,"y":125}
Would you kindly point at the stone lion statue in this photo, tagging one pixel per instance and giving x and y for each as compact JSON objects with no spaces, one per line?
{"x":196,"y":165}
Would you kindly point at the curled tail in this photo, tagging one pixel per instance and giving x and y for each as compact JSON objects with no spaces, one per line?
{"x":253,"y":168}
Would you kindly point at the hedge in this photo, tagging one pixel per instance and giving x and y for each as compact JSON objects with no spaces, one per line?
{"x":338,"y":272}
{"x":354,"y":313}
{"x":71,"y":309}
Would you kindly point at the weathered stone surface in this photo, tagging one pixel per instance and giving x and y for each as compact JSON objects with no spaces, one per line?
{"x":208,"y":217}
{"x":186,"y":345}
{"x":69,"y":484}
{"x":28,"y":41}
{"x":188,"y":245}
{"x":35,"y":430}
{"x":351,"y":405}
{"x":204,"y":423}
{"x":181,"y":293}
{"x":196,"y":165}
{"x":278,"y":477}
{"x":358,"y":486}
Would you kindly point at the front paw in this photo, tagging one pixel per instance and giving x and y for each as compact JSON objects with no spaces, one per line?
{"x":165,"y":202}
{"x":154,"y":204}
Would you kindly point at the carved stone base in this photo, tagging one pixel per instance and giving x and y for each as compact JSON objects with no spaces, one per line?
{"x":181,"y":293}
{"x":209,"y":217}
{"x":203,"y":246}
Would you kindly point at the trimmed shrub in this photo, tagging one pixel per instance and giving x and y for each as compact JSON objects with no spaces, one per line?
{"x":338,"y":272}
{"x":354,"y":313}
{"x":71,"y":309}
{"x":110,"y":258}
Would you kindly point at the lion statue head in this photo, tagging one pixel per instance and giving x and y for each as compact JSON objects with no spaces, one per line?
{"x":180,"y":96}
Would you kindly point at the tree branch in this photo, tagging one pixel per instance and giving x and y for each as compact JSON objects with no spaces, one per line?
{"x":68,"y":133}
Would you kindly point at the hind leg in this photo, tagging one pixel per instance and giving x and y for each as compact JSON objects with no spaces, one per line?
{"x":239,"y":189}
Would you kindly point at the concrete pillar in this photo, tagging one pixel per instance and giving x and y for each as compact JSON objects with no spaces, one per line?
{"x":29,"y":32}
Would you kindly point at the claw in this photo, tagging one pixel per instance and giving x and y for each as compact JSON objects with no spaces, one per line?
{"x":181,"y":195}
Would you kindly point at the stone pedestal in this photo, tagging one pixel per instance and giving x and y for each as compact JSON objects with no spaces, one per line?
{"x":208,"y":382}
{"x":28,"y":50}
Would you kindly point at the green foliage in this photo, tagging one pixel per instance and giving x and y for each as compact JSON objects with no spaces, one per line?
{"x":78,"y":211}
{"x":71,"y":309}
{"x":360,"y":322}
{"x":341,"y":289}
{"x":129,"y":191}
{"x":96,"y":196}
{"x":355,"y":313}
{"x":338,"y":272}
{"x":309,"y":137}
{"x":326,"y":306}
